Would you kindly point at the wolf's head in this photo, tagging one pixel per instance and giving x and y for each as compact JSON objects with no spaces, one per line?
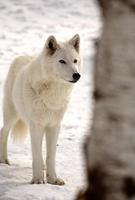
{"x":62,"y":60}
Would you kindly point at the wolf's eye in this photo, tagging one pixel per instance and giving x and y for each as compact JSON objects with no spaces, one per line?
{"x":62,"y":61}
{"x":75,"y":60}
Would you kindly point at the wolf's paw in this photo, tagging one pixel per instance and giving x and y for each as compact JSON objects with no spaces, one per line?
{"x":4,"y":161}
{"x":55,"y":181}
{"x":37,"y":181}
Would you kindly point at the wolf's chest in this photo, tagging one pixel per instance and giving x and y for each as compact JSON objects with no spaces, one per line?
{"x":43,"y":115}
{"x":54,"y":97}
{"x":48,"y":105}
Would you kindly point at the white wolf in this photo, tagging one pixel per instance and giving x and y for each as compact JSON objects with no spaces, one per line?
{"x":37,"y":91}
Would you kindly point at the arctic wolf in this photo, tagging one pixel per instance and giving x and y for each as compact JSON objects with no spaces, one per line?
{"x":36,"y":95}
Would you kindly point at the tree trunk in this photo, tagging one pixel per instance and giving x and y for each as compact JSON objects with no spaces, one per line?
{"x":110,"y":150}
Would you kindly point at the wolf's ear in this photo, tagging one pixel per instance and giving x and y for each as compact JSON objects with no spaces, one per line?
{"x":51,"y":45}
{"x":75,"y":41}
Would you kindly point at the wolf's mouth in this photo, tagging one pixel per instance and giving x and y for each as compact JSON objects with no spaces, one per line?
{"x":69,"y":81}
{"x":75,"y":76}
{"x":73,"y":81}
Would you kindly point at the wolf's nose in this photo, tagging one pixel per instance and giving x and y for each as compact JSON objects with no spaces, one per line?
{"x":76,"y":76}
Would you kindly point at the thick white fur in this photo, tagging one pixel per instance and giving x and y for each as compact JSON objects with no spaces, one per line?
{"x":37,"y":91}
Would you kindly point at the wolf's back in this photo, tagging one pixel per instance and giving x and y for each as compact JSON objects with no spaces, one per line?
{"x":15,"y":68}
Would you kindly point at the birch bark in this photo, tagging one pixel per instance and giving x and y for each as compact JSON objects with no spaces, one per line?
{"x":110,"y":147}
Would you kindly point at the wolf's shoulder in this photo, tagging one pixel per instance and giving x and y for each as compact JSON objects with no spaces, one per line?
{"x":22,"y":60}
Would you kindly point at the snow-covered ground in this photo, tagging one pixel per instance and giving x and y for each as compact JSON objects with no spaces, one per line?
{"x":25,"y":24}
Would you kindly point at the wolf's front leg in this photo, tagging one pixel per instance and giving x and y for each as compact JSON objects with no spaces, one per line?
{"x":37,"y":132}
{"x":51,"y":142}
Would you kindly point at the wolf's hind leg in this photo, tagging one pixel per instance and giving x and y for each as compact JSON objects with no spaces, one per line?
{"x":3,"y":144}
{"x":10,"y":119}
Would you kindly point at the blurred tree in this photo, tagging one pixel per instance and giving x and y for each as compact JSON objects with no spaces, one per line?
{"x":110,"y":150}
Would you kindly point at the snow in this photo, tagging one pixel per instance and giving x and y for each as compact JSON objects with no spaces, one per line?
{"x":25,"y":25}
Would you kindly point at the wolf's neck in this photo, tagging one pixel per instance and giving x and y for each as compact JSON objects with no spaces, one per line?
{"x":35,"y":70}
{"x":54,"y":95}
{"x":49,"y":87}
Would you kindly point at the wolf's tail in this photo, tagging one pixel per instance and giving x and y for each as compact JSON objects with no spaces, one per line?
{"x":19,"y":131}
